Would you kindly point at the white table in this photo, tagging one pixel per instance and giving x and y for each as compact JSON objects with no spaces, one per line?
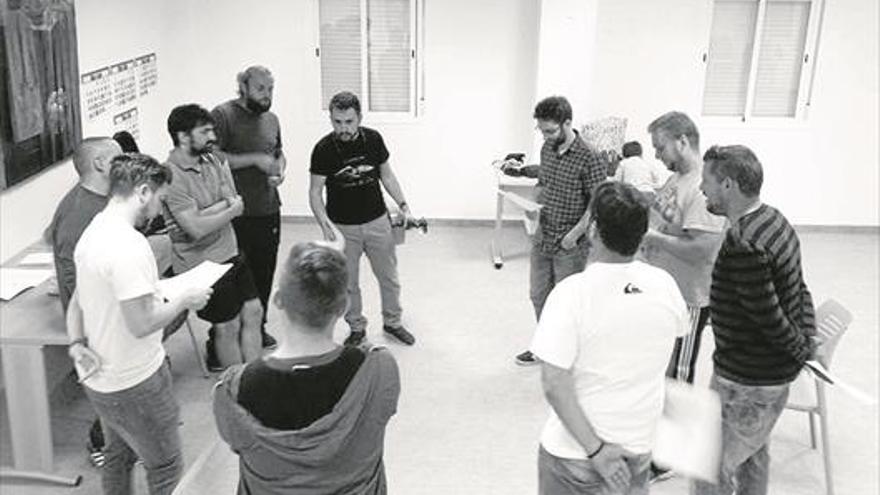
{"x":521,"y":186}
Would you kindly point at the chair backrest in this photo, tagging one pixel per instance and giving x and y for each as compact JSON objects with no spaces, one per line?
{"x":832,"y":320}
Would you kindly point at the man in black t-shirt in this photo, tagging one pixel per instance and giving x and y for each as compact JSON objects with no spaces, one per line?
{"x":352,"y":162}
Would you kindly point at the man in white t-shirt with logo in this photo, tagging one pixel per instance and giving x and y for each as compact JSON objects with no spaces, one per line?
{"x":115,"y":322}
{"x":604,"y":341}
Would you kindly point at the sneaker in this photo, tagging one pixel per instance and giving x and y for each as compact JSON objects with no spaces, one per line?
{"x":526,"y":359}
{"x":96,"y":456}
{"x":211,"y":360}
{"x":354,"y":338}
{"x":400,"y":334}
{"x":659,"y":474}
{"x":269,"y":341}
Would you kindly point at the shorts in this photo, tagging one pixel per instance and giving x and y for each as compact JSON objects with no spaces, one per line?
{"x":234,"y":288}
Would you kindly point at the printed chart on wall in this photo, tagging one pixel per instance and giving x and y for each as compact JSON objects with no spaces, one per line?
{"x":127,"y":121}
{"x":118,"y":87}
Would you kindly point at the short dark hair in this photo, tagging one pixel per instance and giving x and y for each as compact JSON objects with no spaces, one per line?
{"x":738,"y":163}
{"x":632,"y":148}
{"x":620,"y":214}
{"x":126,"y":141}
{"x":675,"y":124}
{"x":345,"y":100}
{"x":313,"y":289}
{"x":553,"y":108}
{"x":130,"y":170}
{"x":185,"y":118}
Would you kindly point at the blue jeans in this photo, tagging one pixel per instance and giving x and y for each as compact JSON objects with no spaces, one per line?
{"x":748,"y":414}
{"x":374,"y":239}
{"x":558,"y":476}
{"x":141,"y":422}
{"x":547,"y":270}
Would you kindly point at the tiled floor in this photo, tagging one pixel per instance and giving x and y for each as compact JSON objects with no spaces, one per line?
{"x":468,"y":418}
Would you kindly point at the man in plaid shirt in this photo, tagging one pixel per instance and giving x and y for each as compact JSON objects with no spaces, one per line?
{"x":568,"y":172}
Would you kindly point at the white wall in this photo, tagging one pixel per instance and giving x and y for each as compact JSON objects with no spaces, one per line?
{"x":819,"y":171}
{"x":480,"y":77}
{"x":107,"y":32}
{"x":634,"y":58}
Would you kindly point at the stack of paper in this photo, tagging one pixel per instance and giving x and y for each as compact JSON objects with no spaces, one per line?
{"x":15,"y":280}
{"x":689,"y":433}
{"x":200,"y":277}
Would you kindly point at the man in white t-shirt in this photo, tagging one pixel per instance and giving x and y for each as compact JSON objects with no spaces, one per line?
{"x":604,"y":340}
{"x":115,"y":321}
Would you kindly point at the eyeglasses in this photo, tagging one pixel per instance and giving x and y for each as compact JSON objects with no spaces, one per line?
{"x":550,"y":131}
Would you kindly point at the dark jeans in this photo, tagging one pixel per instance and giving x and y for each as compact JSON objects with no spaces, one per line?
{"x":258,"y":239}
{"x":141,"y":422}
{"x":547,"y":270}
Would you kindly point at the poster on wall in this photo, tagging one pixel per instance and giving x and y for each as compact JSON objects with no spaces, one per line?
{"x":147,"y":73}
{"x":97,"y":90}
{"x":124,"y":83}
{"x":127,"y":121}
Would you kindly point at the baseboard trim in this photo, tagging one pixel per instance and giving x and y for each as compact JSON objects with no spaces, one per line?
{"x":484,"y":222}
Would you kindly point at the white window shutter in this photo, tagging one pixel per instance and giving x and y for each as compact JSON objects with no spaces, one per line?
{"x":390,"y":58}
{"x":780,"y":58}
{"x":340,"y":48}
{"x":729,"y":60}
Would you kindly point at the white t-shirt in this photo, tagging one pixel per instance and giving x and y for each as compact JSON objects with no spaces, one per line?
{"x":680,"y":206}
{"x":614,"y":326}
{"x":644,"y":176}
{"x":114,"y":263}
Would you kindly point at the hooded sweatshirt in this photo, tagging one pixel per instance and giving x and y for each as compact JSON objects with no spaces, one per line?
{"x":339,"y":453}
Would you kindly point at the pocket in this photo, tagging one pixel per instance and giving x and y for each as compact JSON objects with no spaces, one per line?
{"x":581,"y":474}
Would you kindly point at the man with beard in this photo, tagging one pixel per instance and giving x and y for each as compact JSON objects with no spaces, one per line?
{"x":115,"y":323}
{"x":568,"y":172}
{"x":352,"y":162}
{"x":203,"y":201}
{"x":250,"y":135}
{"x":762,"y":317}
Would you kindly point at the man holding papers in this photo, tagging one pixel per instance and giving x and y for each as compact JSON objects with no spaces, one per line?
{"x":762,"y":317}
{"x":603,"y":341}
{"x":568,"y":172}
{"x":115,"y":322}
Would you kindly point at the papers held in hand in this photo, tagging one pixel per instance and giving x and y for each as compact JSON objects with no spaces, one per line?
{"x":822,"y":373}
{"x":689,"y":432}
{"x":200,"y":277}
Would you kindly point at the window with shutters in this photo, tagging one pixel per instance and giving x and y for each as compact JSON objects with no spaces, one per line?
{"x":760,"y":59}
{"x":369,"y":47}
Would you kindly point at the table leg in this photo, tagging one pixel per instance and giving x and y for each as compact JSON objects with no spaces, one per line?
{"x":495,"y":246}
{"x":27,"y":400}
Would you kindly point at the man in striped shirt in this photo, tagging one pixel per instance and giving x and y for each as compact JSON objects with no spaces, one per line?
{"x":762,"y":317}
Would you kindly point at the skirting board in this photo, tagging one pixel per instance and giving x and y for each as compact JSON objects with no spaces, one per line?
{"x":479,"y":222}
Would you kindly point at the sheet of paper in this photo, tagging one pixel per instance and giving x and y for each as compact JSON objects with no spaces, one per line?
{"x":689,"y":433}
{"x":38,"y":259}
{"x":200,"y":277}
{"x":823,"y":373}
{"x":15,"y":280}
{"x":526,"y":204}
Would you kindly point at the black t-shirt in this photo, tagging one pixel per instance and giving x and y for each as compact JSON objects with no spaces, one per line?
{"x":290,"y":394}
{"x":354,"y":194}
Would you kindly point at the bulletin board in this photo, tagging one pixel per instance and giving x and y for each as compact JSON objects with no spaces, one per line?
{"x":117,"y":88}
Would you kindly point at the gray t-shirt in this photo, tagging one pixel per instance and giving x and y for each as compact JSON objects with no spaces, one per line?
{"x":198,"y":186}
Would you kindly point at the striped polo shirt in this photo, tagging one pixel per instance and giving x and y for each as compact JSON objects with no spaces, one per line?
{"x":762,"y":313}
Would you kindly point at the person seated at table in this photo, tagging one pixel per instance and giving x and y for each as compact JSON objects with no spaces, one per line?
{"x":311,"y":416}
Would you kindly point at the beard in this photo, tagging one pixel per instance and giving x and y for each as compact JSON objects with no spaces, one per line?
{"x":258,"y":106}
{"x":201,"y":150}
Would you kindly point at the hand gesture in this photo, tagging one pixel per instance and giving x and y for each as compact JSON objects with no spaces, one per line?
{"x":276,"y":180}
{"x":85,"y":360}
{"x":612,"y":467}
{"x":237,"y":205}
{"x":196,"y":299}
{"x":266,"y":163}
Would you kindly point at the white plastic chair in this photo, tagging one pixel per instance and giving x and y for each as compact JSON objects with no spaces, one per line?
{"x":832,"y":320}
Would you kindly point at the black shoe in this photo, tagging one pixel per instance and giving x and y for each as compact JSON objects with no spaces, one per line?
{"x":400,"y":334}
{"x":269,"y":341}
{"x":526,"y":359}
{"x":211,"y":360}
{"x":354,"y":339}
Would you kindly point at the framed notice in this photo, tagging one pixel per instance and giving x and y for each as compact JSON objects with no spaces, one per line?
{"x":147,"y":73}
{"x":97,"y":91}
{"x":127,"y":121}
{"x":124,"y":83}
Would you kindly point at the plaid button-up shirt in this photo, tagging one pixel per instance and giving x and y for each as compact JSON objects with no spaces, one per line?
{"x":566,"y":182}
